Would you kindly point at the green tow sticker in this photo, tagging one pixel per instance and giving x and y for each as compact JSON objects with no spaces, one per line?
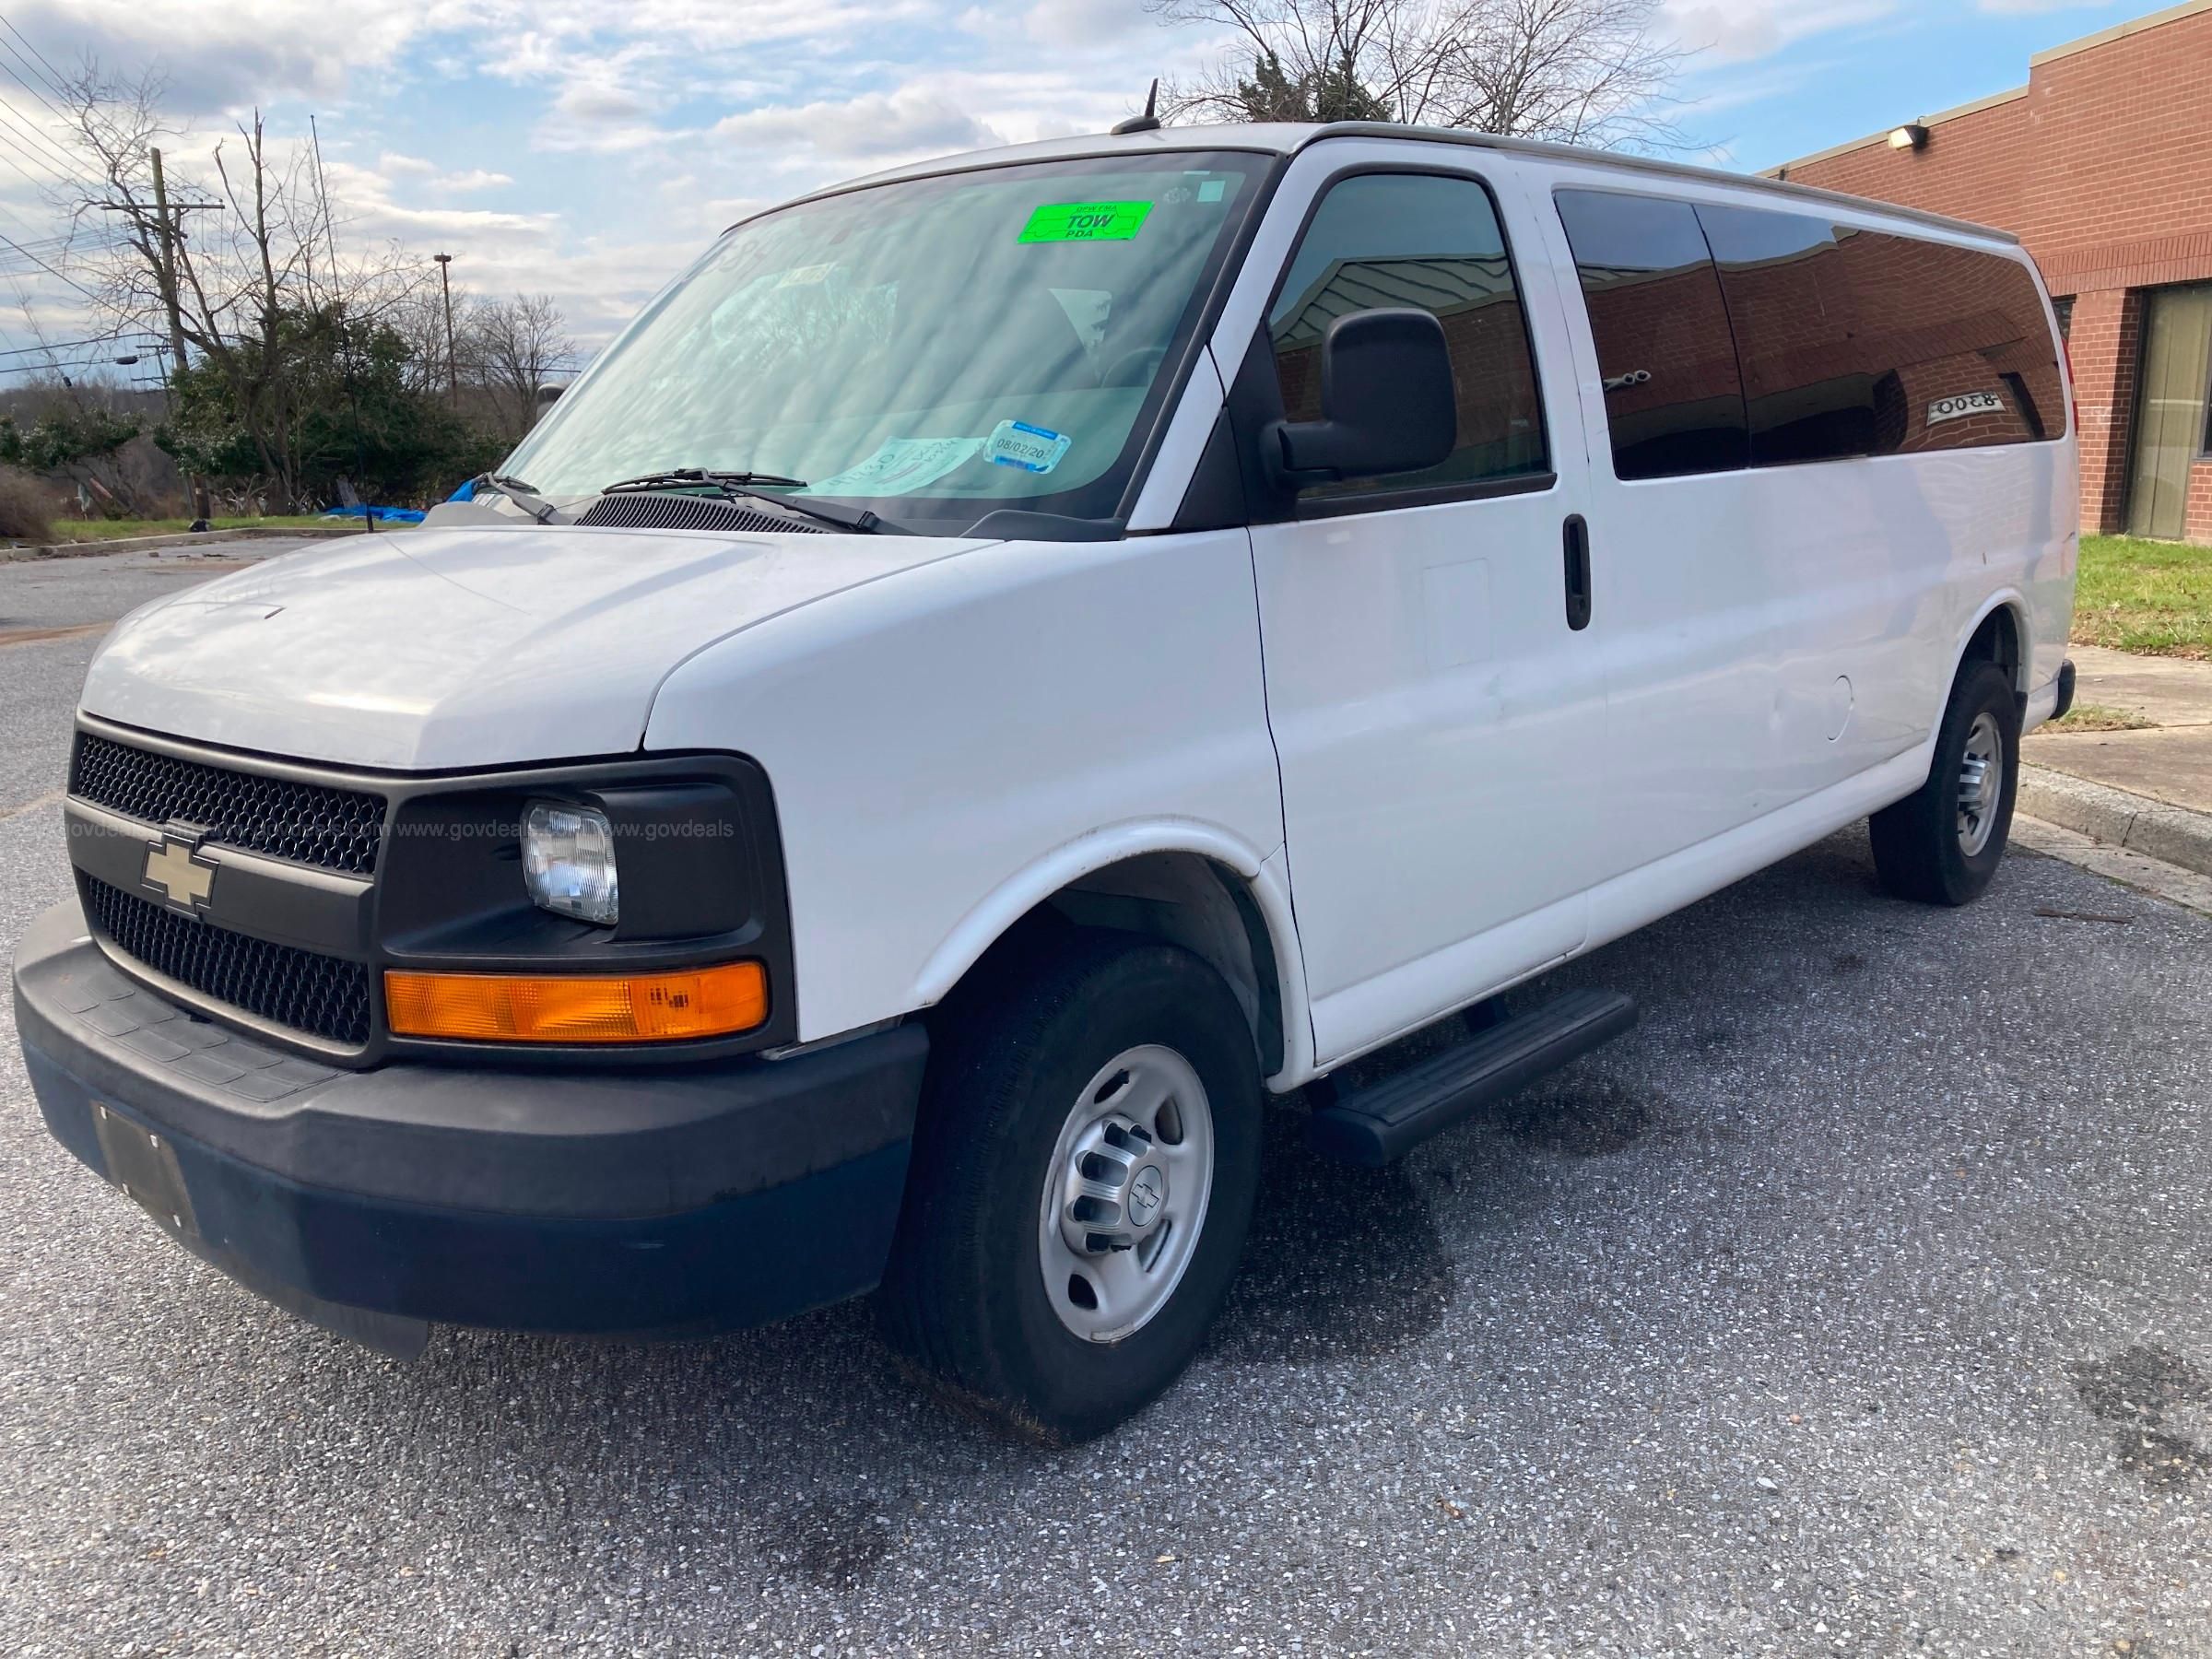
{"x":1086,"y":221}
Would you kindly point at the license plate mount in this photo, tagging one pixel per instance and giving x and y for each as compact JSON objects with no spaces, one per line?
{"x":143,"y":1163}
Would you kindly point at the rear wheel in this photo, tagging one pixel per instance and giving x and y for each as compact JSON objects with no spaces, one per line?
{"x":1942,"y":843}
{"x":1083,"y":1175}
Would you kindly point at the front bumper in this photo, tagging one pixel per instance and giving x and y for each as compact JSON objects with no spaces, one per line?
{"x":595,"y":1200}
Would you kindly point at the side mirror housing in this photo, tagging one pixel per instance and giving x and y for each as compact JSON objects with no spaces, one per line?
{"x":1386,"y":399}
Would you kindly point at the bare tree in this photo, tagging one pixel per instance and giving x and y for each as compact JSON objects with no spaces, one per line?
{"x":510,"y":348}
{"x":255,"y":266}
{"x":1591,"y":72}
{"x":419,"y":320}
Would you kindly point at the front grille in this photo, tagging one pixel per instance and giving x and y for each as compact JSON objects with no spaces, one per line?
{"x":307,"y":823}
{"x":648,"y":510}
{"x":322,"y":995}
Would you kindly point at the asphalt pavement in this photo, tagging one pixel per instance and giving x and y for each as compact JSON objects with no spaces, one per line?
{"x":1855,"y":1304}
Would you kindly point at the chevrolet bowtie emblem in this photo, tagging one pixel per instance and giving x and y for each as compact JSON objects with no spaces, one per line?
{"x":176,"y":870}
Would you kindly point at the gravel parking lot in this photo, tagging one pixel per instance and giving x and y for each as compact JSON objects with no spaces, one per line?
{"x":1855,"y":1304}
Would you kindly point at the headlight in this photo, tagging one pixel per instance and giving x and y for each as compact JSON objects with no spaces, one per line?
{"x":569,"y":863}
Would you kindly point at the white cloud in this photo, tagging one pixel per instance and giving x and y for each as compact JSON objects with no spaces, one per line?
{"x":392,"y":162}
{"x":474,"y":178}
{"x":1741,"y":31}
{"x":875,"y":126}
{"x":1082,"y":22}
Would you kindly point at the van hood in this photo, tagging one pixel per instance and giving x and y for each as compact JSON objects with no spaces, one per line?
{"x":423,"y":650}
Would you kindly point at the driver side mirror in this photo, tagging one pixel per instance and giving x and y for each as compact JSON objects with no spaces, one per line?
{"x":1386,"y":400}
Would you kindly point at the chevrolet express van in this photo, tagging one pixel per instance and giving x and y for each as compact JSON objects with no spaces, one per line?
{"x":1001,"y":668}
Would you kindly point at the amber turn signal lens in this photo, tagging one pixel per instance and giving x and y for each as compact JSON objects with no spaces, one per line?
{"x":578,"y":1008}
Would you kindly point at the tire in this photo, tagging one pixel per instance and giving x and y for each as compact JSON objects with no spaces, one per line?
{"x":1088,"y":1026}
{"x":1932,"y":846}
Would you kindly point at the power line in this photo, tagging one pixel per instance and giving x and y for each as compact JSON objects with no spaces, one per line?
{"x":43,"y":101}
{"x":68,"y":162}
{"x":57,"y":367}
{"x":62,"y":242}
{"x":20,"y":81}
{"x":80,"y":287}
{"x":58,"y":82}
{"x":42,"y":158}
{"x":146,"y":335}
{"x":36,"y":181}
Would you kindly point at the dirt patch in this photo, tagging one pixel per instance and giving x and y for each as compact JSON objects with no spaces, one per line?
{"x":2140,"y":1384}
{"x":2135,"y":1390}
{"x":831,"y":1541}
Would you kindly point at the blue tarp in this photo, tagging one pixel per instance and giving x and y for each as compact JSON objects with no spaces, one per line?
{"x":384,"y":516}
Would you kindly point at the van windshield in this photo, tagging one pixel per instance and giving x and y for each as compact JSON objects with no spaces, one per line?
{"x":931,"y":350}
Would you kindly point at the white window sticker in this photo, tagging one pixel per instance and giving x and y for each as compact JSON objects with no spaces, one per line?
{"x":1965,"y":403}
{"x":897,"y":467}
{"x":1032,"y":448}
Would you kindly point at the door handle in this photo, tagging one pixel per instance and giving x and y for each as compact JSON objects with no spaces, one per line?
{"x":1577,"y":539}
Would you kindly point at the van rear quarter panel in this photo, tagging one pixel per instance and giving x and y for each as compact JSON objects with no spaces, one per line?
{"x":938,"y":740}
{"x":1872,"y":571}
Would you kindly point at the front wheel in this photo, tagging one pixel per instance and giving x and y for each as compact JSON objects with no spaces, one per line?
{"x":1083,"y":1167}
{"x":1942,"y":843}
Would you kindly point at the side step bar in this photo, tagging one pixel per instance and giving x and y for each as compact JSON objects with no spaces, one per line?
{"x":1387,"y":1120}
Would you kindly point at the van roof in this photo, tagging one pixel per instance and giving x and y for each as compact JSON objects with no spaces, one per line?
{"x":1284,"y":138}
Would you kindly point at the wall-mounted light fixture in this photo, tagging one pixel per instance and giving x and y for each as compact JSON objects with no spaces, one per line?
{"x":1911,"y":136}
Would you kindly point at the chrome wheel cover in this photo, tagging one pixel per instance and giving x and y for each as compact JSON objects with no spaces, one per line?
{"x":1981,"y":783}
{"x":1126,"y":1194}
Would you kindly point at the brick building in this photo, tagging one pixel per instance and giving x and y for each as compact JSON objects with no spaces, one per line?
{"x":2102,"y":164}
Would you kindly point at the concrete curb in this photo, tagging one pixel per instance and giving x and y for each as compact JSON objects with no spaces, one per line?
{"x":175,"y":538}
{"x":2119,"y":818}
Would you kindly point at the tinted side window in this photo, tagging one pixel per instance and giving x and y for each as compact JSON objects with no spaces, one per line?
{"x":1957,"y":342}
{"x":1805,"y":383}
{"x":1674,"y":397}
{"x":1393,"y":239}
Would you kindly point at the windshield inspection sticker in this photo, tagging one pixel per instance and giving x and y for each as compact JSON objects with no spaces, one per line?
{"x":1032,"y":448}
{"x":1086,"y":221}
{"x":898,"y":465}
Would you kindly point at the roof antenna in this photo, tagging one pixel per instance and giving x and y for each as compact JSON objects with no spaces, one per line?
{"x":1147,"y":122}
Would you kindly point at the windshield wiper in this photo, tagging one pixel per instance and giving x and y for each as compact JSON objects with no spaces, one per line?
{"x":731,"y":485}
{"x":863,"y":523}
{"x":520,"y":493}
{"x":694,"y":478}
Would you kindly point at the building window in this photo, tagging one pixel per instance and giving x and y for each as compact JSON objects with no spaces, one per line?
{"x":2173,"y":421}
{"x":2064,"y":310}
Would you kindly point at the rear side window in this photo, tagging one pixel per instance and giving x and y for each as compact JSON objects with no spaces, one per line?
{"x":1807,"y":384}
{"x":1398,"y":240}
{"x":1957,"y":342}
{"x":1674,"y":396}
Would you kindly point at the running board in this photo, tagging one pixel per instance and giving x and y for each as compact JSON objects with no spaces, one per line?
{"x":1387,"y":1120}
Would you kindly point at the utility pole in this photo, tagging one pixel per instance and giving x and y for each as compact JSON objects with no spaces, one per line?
{"x":453,"y":360}
{"x":176,"y":326}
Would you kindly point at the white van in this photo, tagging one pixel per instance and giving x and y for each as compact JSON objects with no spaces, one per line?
{"x":1005,"y":665}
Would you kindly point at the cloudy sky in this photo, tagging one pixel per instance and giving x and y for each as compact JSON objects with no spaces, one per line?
{"x":588,"y":147}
